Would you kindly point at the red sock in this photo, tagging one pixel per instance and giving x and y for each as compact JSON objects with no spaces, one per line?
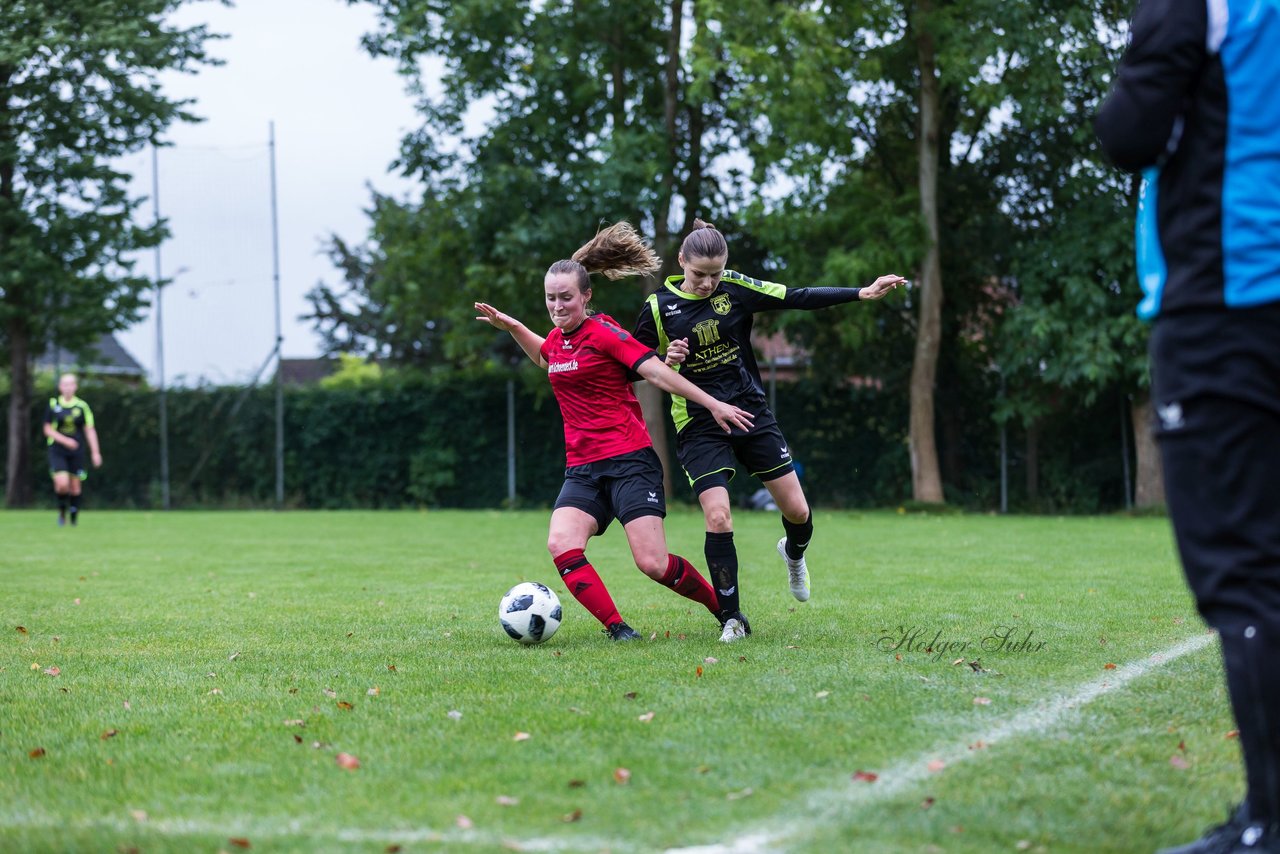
{"x":684,"y":579}
{"x":587,"y":587}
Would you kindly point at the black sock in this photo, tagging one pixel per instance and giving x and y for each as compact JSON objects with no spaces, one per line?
{"x":75,"y":507}
{"x":722,"y":566}
{"x":798,"y":536}
{"x":1251,"y":655}
{"x":62,"y":503}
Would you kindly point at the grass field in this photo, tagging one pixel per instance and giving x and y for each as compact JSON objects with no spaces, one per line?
{"x":212,"y":666}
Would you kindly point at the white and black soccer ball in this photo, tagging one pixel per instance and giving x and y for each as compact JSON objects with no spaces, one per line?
{"x":530,"y":612}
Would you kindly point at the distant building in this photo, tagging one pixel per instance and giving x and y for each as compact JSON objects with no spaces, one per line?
{"x":106,"y":357}
{"x":306,"y":371}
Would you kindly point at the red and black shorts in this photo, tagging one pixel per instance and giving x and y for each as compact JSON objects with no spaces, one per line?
{"x":624,"y":487}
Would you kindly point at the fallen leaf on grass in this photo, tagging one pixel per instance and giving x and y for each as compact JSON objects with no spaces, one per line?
{"x":630,"y":695}
{"x":521,"y":736}
{"x":293,"y":690}
{"x":821,"y":695}
{"x":138,"y":815}
{"x":737,"y":796}
{"x":577,"y":784}
{"x":1023,"y":845}
{"x":455,"y":715}
{"x":330,"y":693}
{"x":898,"y":657}
{"x":506,"y":801}
{"x":1108,"y":666}
{"x":22,"y":630}
{"x":1178,"y":762}
{"x":239,"y":842}
{"x":37,"y":753}
{"x":710,"y":660}
{"x":374,"y":691}
{"x":982,"y":701}
{"x":295,"y":722}
{"x":577,"y":711}
{"x":351,"y":634}
{"x":645,"y":718}
{"x":463,"y":822}
{"x":1235,"y":733}
{"x":111,"y":733}
{"x":792,"y":646}
{"x":345,"y":706}
{"x":978,"y":745}
{"x":653,"y":636}
{"x":347,"y":761}
{"x":391,"y":667}
{"x":742,"y":658}
{"x":77,"y":601}
{"x":957,"y":661}
{"x":570,"y":818}
{"x":297,"y":738}
{"x":702,"y":769}
{"x":127,"y":707}
{"x":52,"y":671}
{"x":1182,"y":745}
{"x":936,"y":765}
{"x":217,"y":692}
{"x":621,"y":776}
{"x":682,"y":636}
{"x":233,"y":656}
{"x":865,"y":776}
{"x":699,"y":670}
{"x":393,"y":849}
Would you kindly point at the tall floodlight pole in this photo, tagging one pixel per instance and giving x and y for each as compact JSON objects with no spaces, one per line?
{"x":275,"y":278}
{"x":164,"y":410}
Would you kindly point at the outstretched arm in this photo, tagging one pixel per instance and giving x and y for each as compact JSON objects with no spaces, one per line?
{"x":726,"y":415}
{"x":529,"y":341}
{"x":814,"y":298}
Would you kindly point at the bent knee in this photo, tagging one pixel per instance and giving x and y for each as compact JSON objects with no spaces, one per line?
{"x":654,"y":566}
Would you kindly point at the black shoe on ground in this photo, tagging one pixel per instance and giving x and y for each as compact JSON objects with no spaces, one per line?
{"x":622,"y":632}
{"x":734,"y":626}
{"x":1237,"y":835}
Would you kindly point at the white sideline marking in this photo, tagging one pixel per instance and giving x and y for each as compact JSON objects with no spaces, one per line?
{"x":823,"y":806}
{"x":818,"y":809}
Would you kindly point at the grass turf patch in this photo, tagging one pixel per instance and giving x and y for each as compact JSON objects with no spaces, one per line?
{"x":221,"y":631}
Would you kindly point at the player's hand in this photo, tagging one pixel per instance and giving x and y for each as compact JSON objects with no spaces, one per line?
{"x":677,"y":352}
{"x":729,"y":416}
{"x":495,"y":318}
{"x":880,"y":287}
{"x":97,"y":460}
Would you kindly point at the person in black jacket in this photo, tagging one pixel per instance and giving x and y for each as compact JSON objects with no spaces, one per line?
{"x":1195,"y":107}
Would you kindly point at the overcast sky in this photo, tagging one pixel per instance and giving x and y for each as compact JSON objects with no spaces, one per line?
{"x":339,"y":116}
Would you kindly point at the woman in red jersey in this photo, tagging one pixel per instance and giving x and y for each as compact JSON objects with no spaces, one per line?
{"x":612,"y":471}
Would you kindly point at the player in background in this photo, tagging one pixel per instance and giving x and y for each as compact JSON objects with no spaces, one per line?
{"x":1195,"y":107}
{"x":68,"y":428}
{"x":702,"y":322}
{"x":612,"y":471}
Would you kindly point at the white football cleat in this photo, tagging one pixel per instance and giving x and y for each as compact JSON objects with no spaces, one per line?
{"x":734,"y":630}
{"x":797,"y":573}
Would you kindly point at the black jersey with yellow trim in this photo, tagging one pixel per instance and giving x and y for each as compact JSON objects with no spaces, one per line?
{"x":718,"y":328}
{"x":68,"y":417}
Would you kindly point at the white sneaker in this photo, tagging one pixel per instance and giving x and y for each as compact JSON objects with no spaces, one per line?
{"x":797,"y":573}
{"x":733,"y":630}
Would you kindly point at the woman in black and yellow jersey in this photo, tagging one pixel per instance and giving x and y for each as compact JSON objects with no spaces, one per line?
{"x":68,"y":428}
{"x":702,"y":322}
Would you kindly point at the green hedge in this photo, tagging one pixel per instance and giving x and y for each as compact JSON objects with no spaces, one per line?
{"x":443,"y":442}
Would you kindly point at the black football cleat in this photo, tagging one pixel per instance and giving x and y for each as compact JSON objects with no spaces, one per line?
{"x":622,"y":632}
{"x":1237,"y":835}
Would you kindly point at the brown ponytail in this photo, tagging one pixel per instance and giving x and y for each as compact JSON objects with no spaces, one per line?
{"x":705,"y":241}
{"x":616,"y":251}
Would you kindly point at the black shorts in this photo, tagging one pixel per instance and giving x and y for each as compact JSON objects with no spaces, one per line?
{"x":1215,"y":399}
{"x":66,"y":460}
{"x":624,"y":487}
{"x":708,"y":454}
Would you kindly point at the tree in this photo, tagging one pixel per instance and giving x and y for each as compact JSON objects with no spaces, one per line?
{"x":600,"y":111}
{"x":78,"y":88}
